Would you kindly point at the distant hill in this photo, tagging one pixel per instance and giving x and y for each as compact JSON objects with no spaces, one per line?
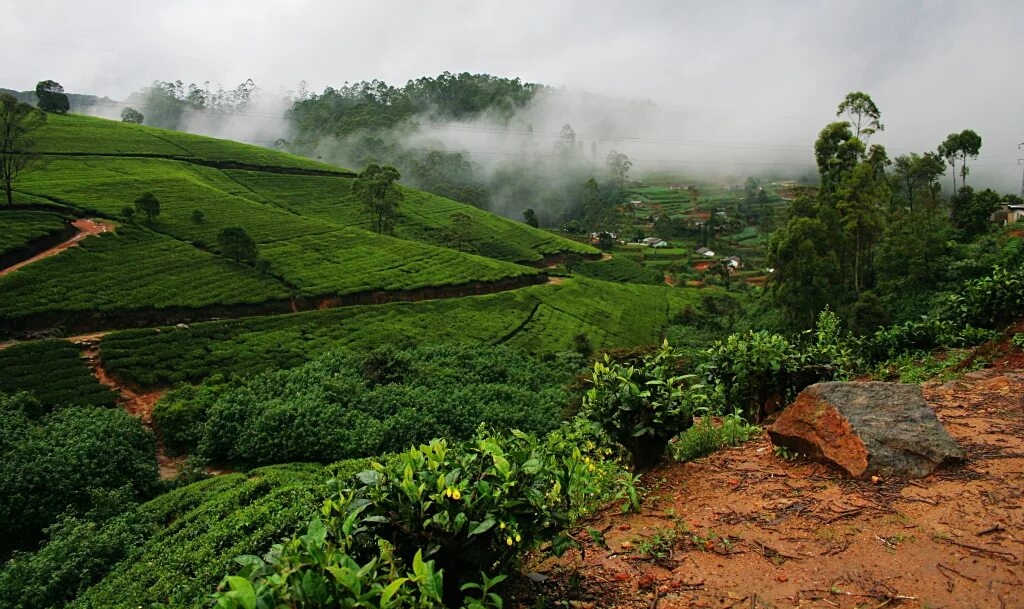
{"x":79,"y":102}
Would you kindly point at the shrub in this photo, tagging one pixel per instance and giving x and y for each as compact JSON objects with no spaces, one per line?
{"x":470,"y":507}
{"x":56,"y":464}
{"x":752,"y":372}
{"x":705,"y":438}
{"x":643,"y":406}
{"x":410,"y":530}
{"x":989,"y":301}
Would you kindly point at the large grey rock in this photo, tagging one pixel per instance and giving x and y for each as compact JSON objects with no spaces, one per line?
{"x":884,"y":429}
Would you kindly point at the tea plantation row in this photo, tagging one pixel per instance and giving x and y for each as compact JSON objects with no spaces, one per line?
{"x":539,"y":319}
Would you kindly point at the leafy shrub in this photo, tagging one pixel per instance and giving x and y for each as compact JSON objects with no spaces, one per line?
{"x":81,"y":550}
{"x":643,"y":406}
{"x":470,"y":507}
{"x":752,"y":371}
{"x":705,"y":437}
{"x":410,"y":530}
{"x":56,"y":464}
{"x":1018,"y":340}
{"x":344,"y":404}
{"x":989,"y":301}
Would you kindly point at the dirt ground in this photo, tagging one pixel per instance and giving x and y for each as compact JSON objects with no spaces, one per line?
{"x":85,"y":228}
{"x":744,"y":528}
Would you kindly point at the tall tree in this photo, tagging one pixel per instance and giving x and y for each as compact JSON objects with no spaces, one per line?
{"x":377,"y":188}
{"x":806,"y":270}
{"x":531,"y":218}
{"x":51,"y":97}
{"x":148,"y":204}
{"x":972,"y":211}
{"x":618,"y":167}
{"x":863,"y":113}
{"x":960,"y":147}
{"x":918,"y":176}
{"x":17,"y":148}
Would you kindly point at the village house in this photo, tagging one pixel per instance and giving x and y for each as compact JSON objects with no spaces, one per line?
{"x":703,"y":251}
{"x":654,"y":242}
{"x":733,"y":262}
{"x":1010,"y":213}
{"x":678,"y":187}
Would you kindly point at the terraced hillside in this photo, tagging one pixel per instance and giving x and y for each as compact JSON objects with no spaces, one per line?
{"x":311,"y":234}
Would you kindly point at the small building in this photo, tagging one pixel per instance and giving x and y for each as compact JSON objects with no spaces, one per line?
{"x":637,"y":204}
{"x":678,"y":187}
{"x":654,"y":242}
{"x":703,"y":251}
{"x":733,"y":262}
{"x":1010,"y":213}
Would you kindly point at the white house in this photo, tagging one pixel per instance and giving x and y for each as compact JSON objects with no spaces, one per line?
{"x":654,"y":242}
{"x":703,"y":251}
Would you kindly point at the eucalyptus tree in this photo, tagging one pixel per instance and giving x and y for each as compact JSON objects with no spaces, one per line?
{"x":17,"y":148}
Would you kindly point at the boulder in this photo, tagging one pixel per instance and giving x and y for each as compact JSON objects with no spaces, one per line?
{"x":883,"y":429}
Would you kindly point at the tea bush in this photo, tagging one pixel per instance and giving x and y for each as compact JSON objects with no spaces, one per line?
{"x":643,"y":406}
{"x":346,"y":404}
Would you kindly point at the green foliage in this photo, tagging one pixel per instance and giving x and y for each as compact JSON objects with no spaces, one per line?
{"x":540,"y":319}
{"x":131,"y":115}
{"x":236,"y":244}
{"x":148,"y":204}
{"x":80,"y":551}
{"x":705,"y":437}
{"x":95,"y":277}
{"x":467,"y":508}
{"x":619,"y":269}
{"x":56,"y":464}
{"x":644,"y":405}
{"x":344,"y":404}
{"x":989,"y":301}
{"x":51,"y":97}
{"x":198,"y":216}
{"x":377,"y":189}
{"x":53,"y":372}
{"x":19,"y":228}
{"x":1018,"y":340}
{"x":19,"y":123}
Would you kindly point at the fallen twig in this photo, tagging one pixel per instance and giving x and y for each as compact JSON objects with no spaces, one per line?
{"x":992,"y":529}
{"x":941,"y":566}
{"x":1008,"y":556}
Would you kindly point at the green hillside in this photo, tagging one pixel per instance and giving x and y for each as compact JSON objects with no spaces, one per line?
{"x":540,"y":319}
{"x":311,"y":232}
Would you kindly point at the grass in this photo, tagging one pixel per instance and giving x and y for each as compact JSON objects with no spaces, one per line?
{"x":78,"y":134}
{"x":20,"y":227}
{"x":540,"y":319}
{"x":54,"y":372}
{"x":423,"y":217}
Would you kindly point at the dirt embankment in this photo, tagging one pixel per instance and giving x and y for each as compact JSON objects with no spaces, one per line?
{"x":93,"y":321}
{"x":80,"y":229}
{"x":743,"y":528}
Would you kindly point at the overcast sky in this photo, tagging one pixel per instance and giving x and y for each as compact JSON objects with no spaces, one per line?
{"x":761,"y":71}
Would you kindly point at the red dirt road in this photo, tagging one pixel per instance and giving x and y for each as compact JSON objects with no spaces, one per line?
{"x":85,"y":228}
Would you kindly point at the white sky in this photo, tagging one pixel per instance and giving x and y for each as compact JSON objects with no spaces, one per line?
{"x":761,"y":72}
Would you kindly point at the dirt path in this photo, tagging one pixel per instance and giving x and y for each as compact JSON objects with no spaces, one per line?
{"x":138,"y":403}
{"x":742,"y":528}
{"x":85,"y":228}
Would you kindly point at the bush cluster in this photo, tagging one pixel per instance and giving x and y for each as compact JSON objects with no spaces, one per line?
{"x":346,"y":404}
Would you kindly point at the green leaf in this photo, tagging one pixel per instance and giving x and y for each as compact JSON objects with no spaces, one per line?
{"x":243,"y":591}
{"x":483,"y":527}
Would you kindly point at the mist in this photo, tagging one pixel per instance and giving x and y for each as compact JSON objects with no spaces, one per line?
{"x":704,"y":90}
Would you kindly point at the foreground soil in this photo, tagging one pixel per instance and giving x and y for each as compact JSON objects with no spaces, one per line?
{"x":743,"y":528}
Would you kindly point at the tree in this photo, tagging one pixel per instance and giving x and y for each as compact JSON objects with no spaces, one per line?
{"x":148,"y":204}
{"x":51,"y":97}
{"x":618,"y":167}
{"x":377,"y":188}
{"x":972,"y":211}
{"x":17,"y":148}
{"x":806,"y":270}
{"x":605,"y":241}
{"x":918,"y":175}
{"x":131,"y":115}
{"x":459,"y":234}
{"x":236,"y":244}
{"x":863,"y":113}
{"x":531,"y":218}
{"x":958,"y":147}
